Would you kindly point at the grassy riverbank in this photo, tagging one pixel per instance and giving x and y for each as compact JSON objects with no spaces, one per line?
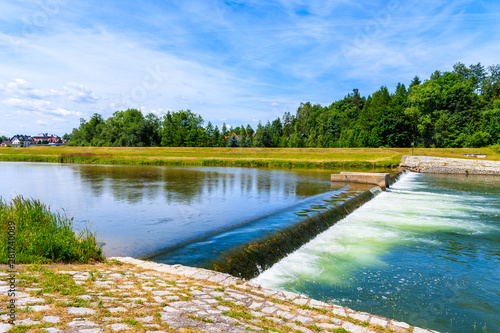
{"x":327,"y":158}
{"x":37,"y":235}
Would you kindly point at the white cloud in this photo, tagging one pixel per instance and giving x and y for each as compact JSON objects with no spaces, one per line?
{"x":41,"y":122}
{"x":64,"y":112}
{"x":27,"y":104}
{"x":73,"y":91}
{"x":79,"y":93}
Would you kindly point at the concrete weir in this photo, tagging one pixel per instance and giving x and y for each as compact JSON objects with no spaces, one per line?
{"x":380,"y":179}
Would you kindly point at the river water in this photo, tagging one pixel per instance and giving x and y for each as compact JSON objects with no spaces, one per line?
{"x":426,"y":252}
{"x":138,"y":210}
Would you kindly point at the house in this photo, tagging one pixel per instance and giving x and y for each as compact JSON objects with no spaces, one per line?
{"x":5,"y":143}
{"x":21,"y":140}
{"x":230,"y":135}
{"x":45,"y":138}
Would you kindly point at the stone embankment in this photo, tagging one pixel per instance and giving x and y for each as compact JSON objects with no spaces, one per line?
{"x":126,"y":294}
{"x":428,"y":164}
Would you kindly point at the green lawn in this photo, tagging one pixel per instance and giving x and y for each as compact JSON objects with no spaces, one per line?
{"x":252,"y":157}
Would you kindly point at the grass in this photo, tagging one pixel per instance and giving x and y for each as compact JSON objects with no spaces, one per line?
{"x":43,"y":236}
{"x":323,"y":158}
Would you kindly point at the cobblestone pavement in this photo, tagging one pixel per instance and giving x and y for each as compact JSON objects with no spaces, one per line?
{"x":126,"y":294}
{"x":429,"y":164}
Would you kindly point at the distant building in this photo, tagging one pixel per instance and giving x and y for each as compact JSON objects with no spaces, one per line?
{"x":5,"y":143}
{"x":231,"y":134}
{"x":45,"y":137}
{"x":24,"y":140}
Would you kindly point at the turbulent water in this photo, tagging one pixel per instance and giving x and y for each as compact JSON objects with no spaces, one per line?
{"x":426,"y":252}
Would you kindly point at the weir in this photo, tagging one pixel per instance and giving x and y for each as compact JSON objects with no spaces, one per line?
{"x":248,"y":249}
{"x":249,"y":260}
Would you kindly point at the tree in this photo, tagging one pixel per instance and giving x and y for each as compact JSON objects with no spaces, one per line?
{"x":233,"y":141}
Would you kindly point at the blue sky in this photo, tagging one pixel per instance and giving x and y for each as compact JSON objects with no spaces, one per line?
{"x":229,"y":61}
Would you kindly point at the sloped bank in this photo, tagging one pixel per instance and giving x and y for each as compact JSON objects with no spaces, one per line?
{"x":292,"y":311}
{"x":125,"y":294}
{"x":429,"y":164}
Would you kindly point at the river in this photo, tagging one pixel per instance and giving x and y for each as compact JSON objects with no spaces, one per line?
{"x":427,"y":251}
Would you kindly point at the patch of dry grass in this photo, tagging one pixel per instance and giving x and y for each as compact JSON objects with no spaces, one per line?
{"x":252,"y":157}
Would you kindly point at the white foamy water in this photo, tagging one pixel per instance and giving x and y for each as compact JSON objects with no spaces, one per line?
{"x":400,"y":216}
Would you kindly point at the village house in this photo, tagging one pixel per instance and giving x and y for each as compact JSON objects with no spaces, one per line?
{"x":21,"y":140}
{"x":45,"y":138}
{"x":5,"y":143}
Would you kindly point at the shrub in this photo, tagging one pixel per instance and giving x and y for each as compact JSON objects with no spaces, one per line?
{"x":42,"y":236}
{"x":70,"y":143}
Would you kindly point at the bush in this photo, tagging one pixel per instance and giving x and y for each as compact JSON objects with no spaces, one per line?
{"x":42,"y":236}
{"x":70,"y":143}
{"x":478,"y":140}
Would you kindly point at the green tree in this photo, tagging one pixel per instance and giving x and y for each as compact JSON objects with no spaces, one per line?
{"x":233,"y":141}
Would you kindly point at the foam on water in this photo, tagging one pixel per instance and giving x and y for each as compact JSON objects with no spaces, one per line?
{"x":364,"y":248}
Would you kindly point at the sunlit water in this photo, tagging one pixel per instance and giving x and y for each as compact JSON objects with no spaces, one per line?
{"x":426,"y":252}
{"x":137,"y":210}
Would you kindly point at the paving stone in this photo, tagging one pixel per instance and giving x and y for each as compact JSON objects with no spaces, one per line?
{"x":90,"y":330}
{"x":80,"y":311}
{"x":117,"y":309}
{"x":321,"y":317}
{"x":285,"y":314}
{"x":37,"y":308}
{"x":147,"y":319}
{"x":420,"y":330}
{"x":85,"y":297}
{"x":301,"y":301}
{"x":119,"y":327}
{"x":328,"y":326}
{"x":398,"y":326}
{"x":304,"y":320}
{"x":29,"y":300}
{"x":52,"y":330}
{"x":353,"y":328}
{"x":269,"y":309}
{"x":358,"y":316}
{"x":379,"y":321}
{"x":81,"y":324}
{"x":51,"y":319}
{"x":339,"y":311}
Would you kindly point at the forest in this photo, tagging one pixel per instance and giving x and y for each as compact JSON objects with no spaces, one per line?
{"x":460,"y":108}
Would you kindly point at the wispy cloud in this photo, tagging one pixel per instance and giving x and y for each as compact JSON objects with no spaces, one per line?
{"x":235,"y":60}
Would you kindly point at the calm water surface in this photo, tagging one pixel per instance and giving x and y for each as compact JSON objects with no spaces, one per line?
{"x":426,"y":252}
{"x":138,"y":210}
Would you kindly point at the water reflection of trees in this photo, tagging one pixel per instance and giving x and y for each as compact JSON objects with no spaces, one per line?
{"x":134,"y":184}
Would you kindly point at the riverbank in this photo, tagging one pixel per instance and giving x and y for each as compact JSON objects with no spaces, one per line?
{"x":126,"y":294}
{"x":322,"y":158}
{"x":429,"y":164}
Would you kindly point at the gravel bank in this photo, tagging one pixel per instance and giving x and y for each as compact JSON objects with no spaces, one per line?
{"x":428,"y":164}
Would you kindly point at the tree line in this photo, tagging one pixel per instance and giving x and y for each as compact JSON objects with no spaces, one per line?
{"x":459,"y":108}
